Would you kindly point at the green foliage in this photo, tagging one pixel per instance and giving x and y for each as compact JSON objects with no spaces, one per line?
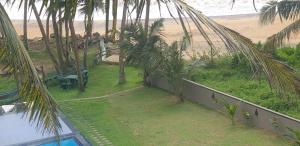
{"x":173,"y":66}
{"x":240,"y":62}
{"x":289,"y":55}
{"x":231,"y":111}
{"x":144,"y":51}
{"x":7,"y":84}
{"x":236,"y":81}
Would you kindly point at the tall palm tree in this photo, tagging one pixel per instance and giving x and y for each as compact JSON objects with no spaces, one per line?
{"x":70,"y":12}
{"x":88,"y":9}
{"x":45,"y":37}
{"x":286,"y":10}
{"x":54,"y":7}
{"x":39,"y":104}
{"x":122,"y":77}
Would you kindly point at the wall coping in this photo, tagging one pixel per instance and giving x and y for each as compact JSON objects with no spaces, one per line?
{"x":242,"y":100}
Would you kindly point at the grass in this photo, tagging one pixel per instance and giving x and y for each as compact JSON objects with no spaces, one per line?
{"x":239,"y":82}
{"x":7,"y":84}
{"x":149,"y":116}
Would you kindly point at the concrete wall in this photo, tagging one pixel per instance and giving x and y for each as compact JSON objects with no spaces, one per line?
{"x":260,"y":117}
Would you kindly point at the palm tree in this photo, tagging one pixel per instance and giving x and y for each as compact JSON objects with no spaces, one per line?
{"x":39,"y":104}
{"x":88,"y":9}
{"x":70,"y":12}
{"x":53,"y":9}
{"x":144,"y":50}
{"x":279,"y":75}
{"x":45,"y":37}
{"x":286,"y":10}
{"x":122,"y":77}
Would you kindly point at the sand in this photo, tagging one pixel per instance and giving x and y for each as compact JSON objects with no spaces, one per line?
{"x":248,"y":25}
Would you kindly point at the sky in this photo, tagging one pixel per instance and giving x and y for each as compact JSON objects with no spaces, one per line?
{"x":208,"y":7}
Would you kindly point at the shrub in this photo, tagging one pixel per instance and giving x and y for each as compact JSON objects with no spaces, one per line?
{"x":231,"y":110}
{"x":289,"y":55}
{"x":239,"y":61}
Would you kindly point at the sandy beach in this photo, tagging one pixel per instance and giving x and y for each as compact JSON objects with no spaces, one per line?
{"x":246,"y":24}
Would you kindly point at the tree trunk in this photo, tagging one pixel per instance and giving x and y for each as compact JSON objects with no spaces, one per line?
{"x":147,"y":17}
{"x":58,"y":42}
{"x":67,"y":43}
{"x":48,"y":26}
{"x":115,"y":19}
{"x":107,"y":19}
{"x":25,"y":38}
{"x":122,"y":78}
{"x":87,"y":39}
{"x":45,"y":38}
{"x":76,"y":54}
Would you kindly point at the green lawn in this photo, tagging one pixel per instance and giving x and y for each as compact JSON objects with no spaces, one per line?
{"x":7,"y":84}
{"x":239,"y":82}
{"x":149,"y":116}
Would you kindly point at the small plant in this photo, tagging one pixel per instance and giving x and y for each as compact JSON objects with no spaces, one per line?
{"x":295,"y":136}
{"x":248,"y":118}
{"x":247,"y":115}
{"x":231,"y":110}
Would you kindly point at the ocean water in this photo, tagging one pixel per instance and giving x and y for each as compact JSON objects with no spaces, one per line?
{"x":208,"y":7}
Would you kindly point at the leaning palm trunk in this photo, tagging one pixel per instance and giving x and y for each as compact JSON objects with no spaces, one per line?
{"x":76,"y":54}
{"x":45,"y":38}
{"x":59,"y":46}
{"x":39,"y":104}
{"x":25,"y":38}
{"x":114,"y":23}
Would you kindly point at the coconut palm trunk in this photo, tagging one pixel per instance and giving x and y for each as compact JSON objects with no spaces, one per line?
{"x":107,"y":5}
{"x":76,"y":54}
{"x":122,"y":77}
{"x":58,"y":42}
{"x":115,"y":19}
{"x":45,"y":38}
{"x":25,"y":37}
{"x":147,"y":16}
{"x":48,"y":26}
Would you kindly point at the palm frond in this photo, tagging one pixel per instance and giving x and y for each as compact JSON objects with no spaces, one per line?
{"x":279,"y":75}
{"x":286,"y":10}
{"x":277,"y":39}
{"x":40,"y":106}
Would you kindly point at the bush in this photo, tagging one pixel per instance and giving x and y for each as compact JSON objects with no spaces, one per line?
{"x":239,"y":61}
{"x":279,"y":104}
{"x":289,"y":55}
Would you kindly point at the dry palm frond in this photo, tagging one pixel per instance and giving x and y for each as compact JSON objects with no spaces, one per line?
{"x":285,"y":34}
{"x":279,"y":75}
{"x":40,"y":106}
